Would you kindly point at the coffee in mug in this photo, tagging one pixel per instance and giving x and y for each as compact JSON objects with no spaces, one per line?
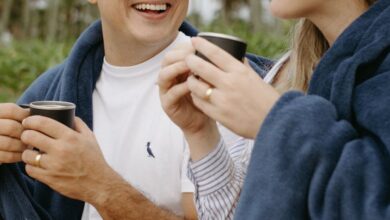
{"x":231,"y":44}
{"x":60,"y":111}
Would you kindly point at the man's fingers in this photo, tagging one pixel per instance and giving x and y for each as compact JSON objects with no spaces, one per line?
{"x":10,"y":157}
{"x":13,"y":111}
{"x":11,"y":144}
{"x":11,"y":128}
{"x":46,"y":125}
{"x":81,"y":127}
{"x":37,"y":173}
{"x":37,"y":140}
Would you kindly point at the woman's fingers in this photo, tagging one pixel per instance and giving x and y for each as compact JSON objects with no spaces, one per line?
{"x":216,"y":55}
{"x":175,"y":94}
{"x":205,"y":70}
{"x":169,"y":75}
{"x":178,"y":54}
{"x":199,"y":88}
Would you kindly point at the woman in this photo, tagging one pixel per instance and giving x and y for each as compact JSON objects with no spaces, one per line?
{"x":320,"y":153}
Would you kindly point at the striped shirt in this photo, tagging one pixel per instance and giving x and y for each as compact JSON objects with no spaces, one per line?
{"x":218,"y":177}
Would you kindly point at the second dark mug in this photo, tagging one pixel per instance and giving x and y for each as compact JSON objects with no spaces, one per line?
{"x":63,"y":112}
{"x":233,"y":45}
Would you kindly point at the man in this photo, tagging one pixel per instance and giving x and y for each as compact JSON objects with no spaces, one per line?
{"x":133,"y":168}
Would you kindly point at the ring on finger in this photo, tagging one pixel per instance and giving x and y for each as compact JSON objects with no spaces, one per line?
{"x":209,"y":91}
{"x":38,"y":160}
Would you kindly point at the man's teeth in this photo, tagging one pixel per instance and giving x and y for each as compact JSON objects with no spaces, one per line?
{"x":153,"y":7}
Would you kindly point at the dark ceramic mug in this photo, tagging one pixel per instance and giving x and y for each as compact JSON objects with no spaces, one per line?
{"x":60,"y":111}
{"x":233,"y":45}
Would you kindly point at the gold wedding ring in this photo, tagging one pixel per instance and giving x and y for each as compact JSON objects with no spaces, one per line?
{"x":209,"y":91}
{"x":38,"y":160}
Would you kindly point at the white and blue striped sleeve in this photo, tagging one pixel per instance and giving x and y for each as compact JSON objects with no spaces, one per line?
{"x":218,"y":179}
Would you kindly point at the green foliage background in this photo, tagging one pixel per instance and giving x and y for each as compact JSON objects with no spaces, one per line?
{"x":23,"y":61}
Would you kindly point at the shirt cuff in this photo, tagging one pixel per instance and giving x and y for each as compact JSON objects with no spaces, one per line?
{"x":213,"y":171}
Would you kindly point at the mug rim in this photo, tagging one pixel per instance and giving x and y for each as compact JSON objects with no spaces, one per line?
{"x":220,"y":35}
{"x":41,"y":105}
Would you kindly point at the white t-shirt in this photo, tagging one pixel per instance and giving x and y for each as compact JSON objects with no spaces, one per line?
{"x":137,"y":138}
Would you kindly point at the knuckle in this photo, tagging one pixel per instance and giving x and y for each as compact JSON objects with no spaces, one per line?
{"x":229,"y":82}
{"x":169,"y":57}
{"x":58,"y":166}
{"x":30,"y":170}
{"x":70,"y":137}
{"x":7,"y":144}
{"x":8,"y":157}
{"x":10,"y":128}
{"x":27,"y":136}
{"x":26,"y":155}
{"x":8,"y":108}
{"x":163,"y":76}
{"x":64,"y":152}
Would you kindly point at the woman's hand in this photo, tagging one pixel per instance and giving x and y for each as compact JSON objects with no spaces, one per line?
{"x":71,"y":161}
{"x":11,"y":117}
{"x":174,"y":93}
{"x":200,"y":131}
{"x":240,"y":99}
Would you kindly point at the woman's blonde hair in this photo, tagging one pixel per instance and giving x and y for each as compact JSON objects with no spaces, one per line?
{"x":307,"y":47}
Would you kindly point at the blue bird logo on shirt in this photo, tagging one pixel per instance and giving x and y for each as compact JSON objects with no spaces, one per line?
{"x":149,"y":150}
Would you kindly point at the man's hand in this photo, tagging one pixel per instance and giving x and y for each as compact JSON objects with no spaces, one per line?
{"x":71,"y":162}
{"x":11,"y":148}
{"x":73,"y":165}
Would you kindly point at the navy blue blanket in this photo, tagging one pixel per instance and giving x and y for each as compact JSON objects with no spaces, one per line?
{"x":325,"y":155}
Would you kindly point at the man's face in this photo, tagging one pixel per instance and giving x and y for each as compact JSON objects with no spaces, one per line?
{"x":142,"y":21}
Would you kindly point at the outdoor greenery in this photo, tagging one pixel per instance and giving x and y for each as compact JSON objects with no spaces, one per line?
{"x":39,"y":46}
{"x":24,"y":61}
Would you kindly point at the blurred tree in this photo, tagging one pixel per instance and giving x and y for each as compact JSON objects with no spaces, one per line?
{"x":5,"y":15}
{"x":25,"y":18}
{"x":230,"y":7}
{"x":256,"y":14}
{"x":51,"y":18}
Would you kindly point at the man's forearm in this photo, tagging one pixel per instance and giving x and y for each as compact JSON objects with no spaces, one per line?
{"x":119,"y":200}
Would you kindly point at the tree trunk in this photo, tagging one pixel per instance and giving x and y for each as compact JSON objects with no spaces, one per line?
{"x":256,"y":12}
{"x":5,"y":15}
{"x":25,"y":18}
{"x":52,"y":18}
